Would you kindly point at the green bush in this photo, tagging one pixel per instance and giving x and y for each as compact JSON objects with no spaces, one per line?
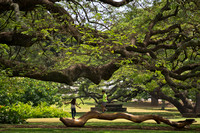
{"x":13,"y":90}
{"x":45,"y":111}
{"x":38,"y":92}
{"x":10,"y":116}
{"x":18,"y":113}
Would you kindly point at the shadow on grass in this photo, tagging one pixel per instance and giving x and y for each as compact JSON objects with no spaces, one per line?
{"x":100,"y":127}
{"x":89,"y":103}
{"x":24,"y":130}
{"x":145,"y":104}
{"x":39,"y":130}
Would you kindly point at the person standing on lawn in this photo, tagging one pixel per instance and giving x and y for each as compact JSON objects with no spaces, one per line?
{"x":104,"y":101}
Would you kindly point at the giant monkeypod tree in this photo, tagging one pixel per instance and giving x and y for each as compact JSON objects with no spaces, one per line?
{"x":64,"y":40}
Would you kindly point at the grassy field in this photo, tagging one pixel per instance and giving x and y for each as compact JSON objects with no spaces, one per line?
{"x":46,"y":130}
{"x":103,"y":126}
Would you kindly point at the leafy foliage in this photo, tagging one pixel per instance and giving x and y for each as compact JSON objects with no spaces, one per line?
{"x":10,"y":116}
{"x":159,"y":38}
{"x":13,"y":90}
{"x":18,"y":113}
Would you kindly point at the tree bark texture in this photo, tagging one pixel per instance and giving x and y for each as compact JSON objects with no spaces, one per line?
{"x":197,"y":109}
{"x":68,"y":75}
{"x":154,"y":101}
{"x":80,"y":122}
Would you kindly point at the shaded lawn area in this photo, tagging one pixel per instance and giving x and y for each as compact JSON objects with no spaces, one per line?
{"x":44,"y":130}
{"x":99,"y":127}
{"x":24,"y":130}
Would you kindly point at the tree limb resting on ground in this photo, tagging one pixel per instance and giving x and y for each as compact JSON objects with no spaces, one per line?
{"x":80,"y":122}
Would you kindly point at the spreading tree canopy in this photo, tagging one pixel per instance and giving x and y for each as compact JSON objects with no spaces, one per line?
{"x":64,"y":40}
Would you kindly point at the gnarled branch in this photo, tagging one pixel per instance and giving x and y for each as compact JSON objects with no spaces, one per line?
{"x":16,"y":39}
{"x":115,"y":3}
{"x":134,"y":118}
{"x":68,"y":75}
{"x":184,"y":45}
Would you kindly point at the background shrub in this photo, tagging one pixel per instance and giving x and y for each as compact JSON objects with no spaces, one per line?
{"x":13,"y":90}
{"x":18,"y":113}
{"x":10,"y":116}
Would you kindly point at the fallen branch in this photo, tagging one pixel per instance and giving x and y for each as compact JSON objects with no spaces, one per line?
{"x":80,"y":122}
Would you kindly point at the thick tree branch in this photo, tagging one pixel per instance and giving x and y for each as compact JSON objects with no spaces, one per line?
{"x":16,"y":39}
{"x":166,"y":73}
{"x":184,"y":107}
{"x":183,"y":46}
{"x":17,"y":12}
{"x":188,"y":67}
{"x":165,"y":30}
{"x":134,"y":118}
{"x":185,"y":100}
{"x":115,"y":3}
{"x":29,"y":5}
{"x":53,"y":8}
{"x":158,"y":17}
{"x":141,"y":50}
{"x":160,"y":95}
{"x":170,"y":74}
{"x":68,"y":75}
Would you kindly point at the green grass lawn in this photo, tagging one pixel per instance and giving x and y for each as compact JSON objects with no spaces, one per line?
{"x":46,"y":130}
{"x":42,"y":125}
{"x":101,"y":127}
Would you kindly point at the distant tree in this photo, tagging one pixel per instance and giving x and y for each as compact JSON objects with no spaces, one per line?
{"x":119,"y":90}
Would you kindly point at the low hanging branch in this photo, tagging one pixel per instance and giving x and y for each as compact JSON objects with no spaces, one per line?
{"x":12,"y":38}
{"x":80,"y":122}
{"x":67,"y":75}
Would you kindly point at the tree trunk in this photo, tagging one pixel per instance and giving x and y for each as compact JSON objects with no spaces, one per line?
{"x":197,"y":106}
{"x":163,"y":105}
{"x":154,"y":101}
{"x":184,"y":106}
{"x":173,"y":101}
{"x":112,"y":116}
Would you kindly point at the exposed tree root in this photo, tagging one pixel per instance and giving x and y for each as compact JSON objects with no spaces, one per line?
{"x":112,"y":116}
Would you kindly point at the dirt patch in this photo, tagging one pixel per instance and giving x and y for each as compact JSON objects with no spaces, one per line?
{"x":97,"y":128}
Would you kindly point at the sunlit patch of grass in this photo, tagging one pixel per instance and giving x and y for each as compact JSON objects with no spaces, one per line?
{"x":43,"y":120}
{"x":84,"y":107}
{"x":56,"y":120}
